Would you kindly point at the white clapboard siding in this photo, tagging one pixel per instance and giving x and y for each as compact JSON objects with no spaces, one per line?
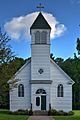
{"x":59,"y":77}
{"x":21,"y":102}
{"x":40,"y":54}
{"x":40,"y":59}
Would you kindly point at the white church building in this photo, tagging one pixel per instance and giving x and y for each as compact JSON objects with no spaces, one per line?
{"x":41,"y":83}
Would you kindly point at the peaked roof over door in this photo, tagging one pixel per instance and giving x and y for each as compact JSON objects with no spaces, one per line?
{"x":40,"y":23}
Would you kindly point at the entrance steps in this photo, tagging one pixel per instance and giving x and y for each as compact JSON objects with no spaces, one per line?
{"x":40,"y":112}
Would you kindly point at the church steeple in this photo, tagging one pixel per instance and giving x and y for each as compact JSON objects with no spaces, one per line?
{"x":40,"y":49}
{"x":40,"y":23}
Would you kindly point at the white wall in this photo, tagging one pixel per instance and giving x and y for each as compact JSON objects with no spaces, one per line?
{"x":60,"y":103}
{"x":40,"y":57}
{"x":21,"y":102}
{"x":64,"y":103}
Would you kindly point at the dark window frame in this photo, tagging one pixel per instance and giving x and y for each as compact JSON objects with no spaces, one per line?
{"x":40,"y":91}
{"x":60,"y":90}
{"x":37,"y":101}
{"x":37,"y":37}
{"x":41,"y":37}
{"x":20,"y":90}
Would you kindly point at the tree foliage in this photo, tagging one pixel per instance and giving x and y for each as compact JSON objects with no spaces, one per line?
{"x":6,"y":72}
{"x":72,"y":67}
{"x":6,"y":53}
{"x":78,"y":46}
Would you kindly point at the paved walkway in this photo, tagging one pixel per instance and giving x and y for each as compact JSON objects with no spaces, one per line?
{"x":40,"y":118}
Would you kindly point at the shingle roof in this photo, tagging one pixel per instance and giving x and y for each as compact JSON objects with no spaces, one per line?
{"x":40,"y":23}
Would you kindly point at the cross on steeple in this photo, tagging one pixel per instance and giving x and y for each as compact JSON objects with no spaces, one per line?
{"x":40,"y":7}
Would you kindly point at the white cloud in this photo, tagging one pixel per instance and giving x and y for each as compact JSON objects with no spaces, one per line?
{"x":75,"y":1}
{"x":19,"y":27}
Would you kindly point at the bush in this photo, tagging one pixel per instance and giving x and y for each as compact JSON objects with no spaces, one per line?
{"x":21,"y":112}
{"x":70,"y":113}
{"x":52,"y":112}
{"x":30,"y":112}
{"x":61,"y":112}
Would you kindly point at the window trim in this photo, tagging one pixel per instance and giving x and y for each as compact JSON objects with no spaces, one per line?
{"x":60,"y":90}
{"x":37,"y":101}
{"x":40,"y":91}
{"x":43,"y":37}
{"x":39,"y":37}
{"x":20,"y":90}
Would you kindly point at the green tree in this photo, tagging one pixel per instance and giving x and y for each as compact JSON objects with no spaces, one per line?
{"x":78,"y":46}
{"x":59,"y":61}
{"x":6,"y":55}
{"x":51,"y":56}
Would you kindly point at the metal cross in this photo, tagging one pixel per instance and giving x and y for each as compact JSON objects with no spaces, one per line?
{"x":40,"y":7}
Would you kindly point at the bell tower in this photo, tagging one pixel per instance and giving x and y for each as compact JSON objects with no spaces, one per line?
{"x":40,"y":49}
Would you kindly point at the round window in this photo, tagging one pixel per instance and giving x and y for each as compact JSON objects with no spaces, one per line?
{"x":40,"y":71}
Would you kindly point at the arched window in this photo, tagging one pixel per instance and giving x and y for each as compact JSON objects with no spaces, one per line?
{"x":37,"y":101}
{"x":21,"y":90}
{"x":43,"y":37}
{"x":37,"y":37}
{"x":60,"y":90}
{"x":40,"y":91}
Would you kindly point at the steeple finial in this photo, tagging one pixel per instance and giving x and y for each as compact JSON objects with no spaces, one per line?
{"x":40,"y":6}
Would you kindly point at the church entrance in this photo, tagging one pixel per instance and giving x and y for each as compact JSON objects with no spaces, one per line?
{"x":43,"y":102}
{"x":41,"y":99}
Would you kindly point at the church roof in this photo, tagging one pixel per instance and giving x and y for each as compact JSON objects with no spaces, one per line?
{"x":29,"y":61}
{"x":40,"y":23}
{"x":64,"y":73}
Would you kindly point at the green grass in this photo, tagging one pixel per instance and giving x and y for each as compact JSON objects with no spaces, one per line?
{"x":5,"y":116}
{"x":76,"y":116}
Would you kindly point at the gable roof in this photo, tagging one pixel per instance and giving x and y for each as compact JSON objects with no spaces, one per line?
{"x":65,"y":74}
{"x":29,"y":61}
{"x":40,"y":23}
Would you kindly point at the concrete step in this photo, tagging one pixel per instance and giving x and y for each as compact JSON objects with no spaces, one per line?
{"x":40,"y":112}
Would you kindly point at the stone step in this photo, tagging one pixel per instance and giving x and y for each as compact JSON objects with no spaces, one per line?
{"x":40,"y":112}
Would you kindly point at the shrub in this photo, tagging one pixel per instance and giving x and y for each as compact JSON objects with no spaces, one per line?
{"x":21,"y":112}
{"x":61,"y":112}
{"x":70,"y":113}
{"x":52,"y":112}
{"x":49,"y":112}
{"x":30,"y":112}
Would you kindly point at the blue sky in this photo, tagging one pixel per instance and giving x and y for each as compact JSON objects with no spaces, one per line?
{"x":66,"y":12}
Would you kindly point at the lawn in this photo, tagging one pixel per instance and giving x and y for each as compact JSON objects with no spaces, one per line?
{"x":5,"y":116}
{"x":76,"y":116}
